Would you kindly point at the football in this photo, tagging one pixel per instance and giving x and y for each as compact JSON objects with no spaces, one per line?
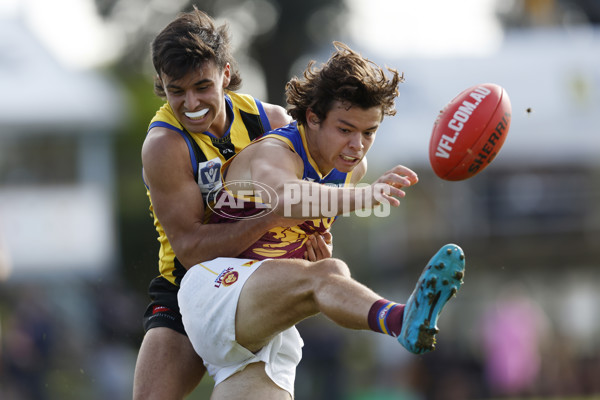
{"x":469,"y":132}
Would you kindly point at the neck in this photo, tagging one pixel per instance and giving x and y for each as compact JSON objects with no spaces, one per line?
{"x":314,"y":152}
{"x":221,"y":122}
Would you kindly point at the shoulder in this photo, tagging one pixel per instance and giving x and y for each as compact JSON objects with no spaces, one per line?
{"x":163,"y":145}
{"x":269,"y":151}
{"x":277,"y":115}
{"x":264,"y":157}
{"x":269,"y":146}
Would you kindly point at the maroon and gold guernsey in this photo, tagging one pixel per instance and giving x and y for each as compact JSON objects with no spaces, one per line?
{"x":280,"y":242}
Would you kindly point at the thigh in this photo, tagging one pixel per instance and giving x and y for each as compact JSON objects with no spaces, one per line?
{"x":252,"y":383}
{"x":208,"y":300}
{"x":277,"y":296}
{"x":167,"y":366}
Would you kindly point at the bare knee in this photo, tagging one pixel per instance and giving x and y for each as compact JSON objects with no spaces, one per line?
{"x":331,"y":267}
{"x":317,"y":278}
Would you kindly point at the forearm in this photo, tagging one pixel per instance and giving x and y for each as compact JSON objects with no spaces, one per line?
{"x":209,"y":241}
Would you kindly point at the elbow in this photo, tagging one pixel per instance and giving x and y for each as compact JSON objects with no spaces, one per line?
{"x":187,"y":264}
{"x":184,"y":252}
{"x":185,"y":258}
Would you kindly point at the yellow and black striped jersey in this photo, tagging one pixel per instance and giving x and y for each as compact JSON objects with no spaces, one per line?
{"x":207,"y":154}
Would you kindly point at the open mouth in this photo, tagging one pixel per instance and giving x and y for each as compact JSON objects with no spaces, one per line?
{"x":348,"y":158}
{"x":197,"y":114}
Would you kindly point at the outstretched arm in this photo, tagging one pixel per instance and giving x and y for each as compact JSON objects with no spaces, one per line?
{"x":282,"y":171}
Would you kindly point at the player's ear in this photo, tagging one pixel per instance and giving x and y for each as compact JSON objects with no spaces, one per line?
{"x":226,"y":75}
{"x":312,"y":120}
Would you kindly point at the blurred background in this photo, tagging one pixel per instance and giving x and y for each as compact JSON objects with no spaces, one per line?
{"x":78,"y":248}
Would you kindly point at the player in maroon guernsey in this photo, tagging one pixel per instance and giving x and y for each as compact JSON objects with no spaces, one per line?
{"x":240,"y":313}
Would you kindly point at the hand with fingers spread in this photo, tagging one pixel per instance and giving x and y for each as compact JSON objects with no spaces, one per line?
{"x":389,"y":185}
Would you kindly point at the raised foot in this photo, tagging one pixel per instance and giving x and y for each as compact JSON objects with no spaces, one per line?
{"x":438,"y":283}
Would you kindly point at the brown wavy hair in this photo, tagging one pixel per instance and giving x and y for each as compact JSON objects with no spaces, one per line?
{"x":188,"y":42}
{"x":347,"y":77}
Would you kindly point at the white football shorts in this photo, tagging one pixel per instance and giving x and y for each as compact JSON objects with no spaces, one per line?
{"x":208,"y":299}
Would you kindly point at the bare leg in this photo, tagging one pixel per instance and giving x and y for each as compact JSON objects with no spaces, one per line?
{"x":167,"y":367}
{"x":250,"y":384}
{"x":282,"y":293}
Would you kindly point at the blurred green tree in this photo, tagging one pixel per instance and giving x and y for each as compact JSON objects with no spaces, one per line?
{"x":275,"y":32}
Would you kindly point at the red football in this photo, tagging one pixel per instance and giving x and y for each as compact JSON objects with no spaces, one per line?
{"x":469,"y":132}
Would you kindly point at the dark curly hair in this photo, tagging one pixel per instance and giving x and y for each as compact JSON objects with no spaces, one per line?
{"x":347,"y":77}
{"x":188,"y":42}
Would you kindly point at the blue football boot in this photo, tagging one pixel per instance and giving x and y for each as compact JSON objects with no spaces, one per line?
{"x":438,"y":283}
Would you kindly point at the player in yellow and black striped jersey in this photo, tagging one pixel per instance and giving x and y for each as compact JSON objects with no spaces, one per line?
{"x":203,"y":123}
{"x":207,"y":153}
